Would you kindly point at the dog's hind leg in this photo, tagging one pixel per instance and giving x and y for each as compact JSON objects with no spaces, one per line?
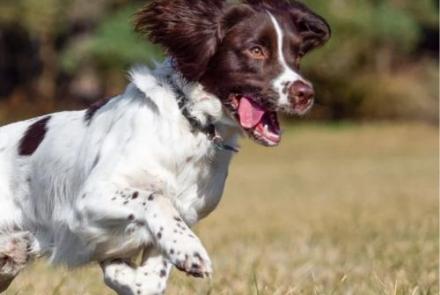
{"x":16,"y":249}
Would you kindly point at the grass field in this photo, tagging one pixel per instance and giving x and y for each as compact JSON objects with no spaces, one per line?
{"x":346,"y":209}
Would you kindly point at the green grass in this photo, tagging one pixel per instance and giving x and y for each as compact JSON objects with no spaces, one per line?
{"x":346,"y":210}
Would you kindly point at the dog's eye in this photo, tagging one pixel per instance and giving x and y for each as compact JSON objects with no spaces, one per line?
{"x":257,"y":52}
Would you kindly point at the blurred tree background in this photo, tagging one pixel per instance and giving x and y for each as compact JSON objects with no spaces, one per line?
{"x":382,"y":62}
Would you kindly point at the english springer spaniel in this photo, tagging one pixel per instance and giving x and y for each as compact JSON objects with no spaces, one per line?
{"x":132,"y":174}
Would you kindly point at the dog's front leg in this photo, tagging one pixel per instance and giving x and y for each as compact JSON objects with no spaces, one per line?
{"x":141,"y":212}
{"x":150,"y":278}
{"x":175,"y":240}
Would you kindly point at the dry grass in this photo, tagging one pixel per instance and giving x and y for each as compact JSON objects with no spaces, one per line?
{"x":334,"y":210}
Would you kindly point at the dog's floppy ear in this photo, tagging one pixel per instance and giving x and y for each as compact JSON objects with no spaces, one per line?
{"x":234,"y":14}
{"x":313,"y":29}
{"x":189,"y":30}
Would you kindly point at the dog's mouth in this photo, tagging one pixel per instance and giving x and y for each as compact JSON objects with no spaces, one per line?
{"x":259,"y":123}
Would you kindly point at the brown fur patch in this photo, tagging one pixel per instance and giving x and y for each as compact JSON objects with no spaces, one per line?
{"x":188,"y":29}
{"x":33,"y":137}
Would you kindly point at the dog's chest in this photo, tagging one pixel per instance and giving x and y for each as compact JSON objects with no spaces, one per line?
{"x":186,"y":167}
{"x":174,"y":157}
{"x":200,"y":180}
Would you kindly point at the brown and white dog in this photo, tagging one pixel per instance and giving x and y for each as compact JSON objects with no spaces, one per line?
{"x":132,"y":174}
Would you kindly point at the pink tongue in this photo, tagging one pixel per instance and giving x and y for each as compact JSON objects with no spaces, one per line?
{"x":250,"y":113}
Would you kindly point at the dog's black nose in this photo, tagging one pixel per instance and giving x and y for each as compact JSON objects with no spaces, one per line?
{"x":301,"y":93}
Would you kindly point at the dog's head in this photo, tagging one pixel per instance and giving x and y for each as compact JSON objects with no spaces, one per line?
{"x":246,"y":54}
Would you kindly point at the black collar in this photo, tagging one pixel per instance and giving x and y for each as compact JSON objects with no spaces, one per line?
{"x":196,"y":126}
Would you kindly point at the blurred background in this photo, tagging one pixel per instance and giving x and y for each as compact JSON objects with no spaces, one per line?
{"x":381,"y":63}
{"x":348,"y":204}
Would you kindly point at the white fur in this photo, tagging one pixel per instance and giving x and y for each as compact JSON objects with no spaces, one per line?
{"x":70,"y":195}
{"x":288,"y":76}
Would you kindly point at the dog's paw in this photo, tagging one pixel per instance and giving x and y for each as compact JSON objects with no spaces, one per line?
{"x":192,"y":258}
{"x":15,"y":252}
{"x":119,"y":275}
